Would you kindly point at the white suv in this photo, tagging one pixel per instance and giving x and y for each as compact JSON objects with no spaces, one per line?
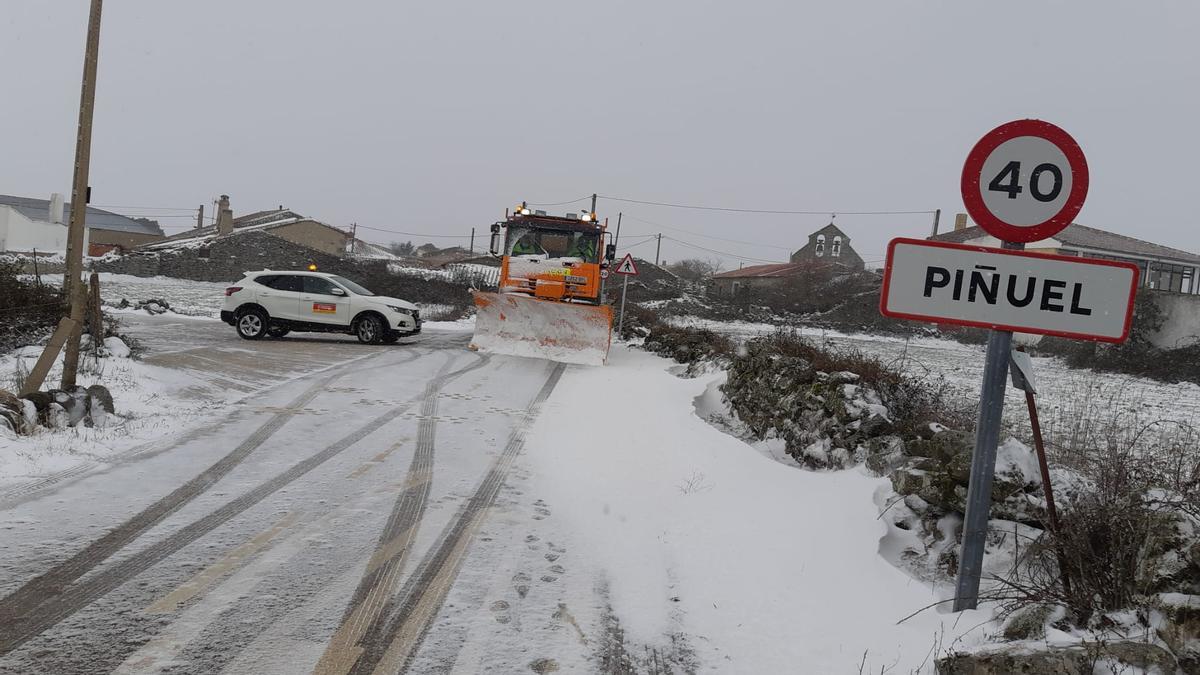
{"x":271,"y":303}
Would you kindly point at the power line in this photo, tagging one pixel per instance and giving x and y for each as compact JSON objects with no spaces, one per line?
{"x":774,"y":211}
{"x":416,"y":234}
{"x":644,"y":241}
{"x":558,"y":203}
{"x":724,"y":253}
{"x":705,"y":236}
{"x":143,"y":208}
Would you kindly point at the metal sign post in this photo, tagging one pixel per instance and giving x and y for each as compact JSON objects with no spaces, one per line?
{"x":627,"y":269}
{"x":1024,"y":181}
{"x":983,"y":466}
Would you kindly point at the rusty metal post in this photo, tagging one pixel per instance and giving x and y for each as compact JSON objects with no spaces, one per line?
{"x":1051,"y":511}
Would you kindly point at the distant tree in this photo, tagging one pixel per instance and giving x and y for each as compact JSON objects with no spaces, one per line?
{"x":401,"y":248}
{"x":694,"y":269}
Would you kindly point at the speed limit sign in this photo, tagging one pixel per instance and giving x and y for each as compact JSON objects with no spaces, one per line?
{"x":1025,"y":181}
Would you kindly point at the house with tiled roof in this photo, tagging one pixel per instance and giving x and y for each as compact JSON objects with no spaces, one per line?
{"x":28,"y":223}
{"x":827,"y":252}
{"x":1163,"y":268}
{"x":283,"y":223}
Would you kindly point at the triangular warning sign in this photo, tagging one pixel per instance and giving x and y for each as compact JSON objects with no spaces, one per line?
{"x":626,"y":266}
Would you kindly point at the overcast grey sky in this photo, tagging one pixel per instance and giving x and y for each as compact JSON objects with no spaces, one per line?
{"x":432,"y":117}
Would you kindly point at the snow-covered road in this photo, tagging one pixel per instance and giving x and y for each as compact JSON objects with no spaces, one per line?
{"x":424,"y":508}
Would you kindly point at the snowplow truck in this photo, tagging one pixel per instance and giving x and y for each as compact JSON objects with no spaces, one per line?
{"x":549,"y":303}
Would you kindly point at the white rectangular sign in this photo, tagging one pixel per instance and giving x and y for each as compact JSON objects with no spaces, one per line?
{"x":1021,"y":291}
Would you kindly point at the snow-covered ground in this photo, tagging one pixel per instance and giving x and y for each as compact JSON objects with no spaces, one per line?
{"x":756,"y":566}
{"x":629,"y":531}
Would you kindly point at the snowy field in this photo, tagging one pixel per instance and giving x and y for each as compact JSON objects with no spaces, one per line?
{"x":201,"y":299}
{"x":1070,"y":401}
{"x":189,"y":298}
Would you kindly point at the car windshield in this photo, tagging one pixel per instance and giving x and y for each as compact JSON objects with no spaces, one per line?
{"x":351,"y":286}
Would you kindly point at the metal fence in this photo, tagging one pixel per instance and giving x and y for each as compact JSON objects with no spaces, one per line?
{"x":481,"y":277}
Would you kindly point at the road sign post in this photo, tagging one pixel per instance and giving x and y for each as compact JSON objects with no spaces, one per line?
{"x":627,"y":269}
{"x":1023,"y":182}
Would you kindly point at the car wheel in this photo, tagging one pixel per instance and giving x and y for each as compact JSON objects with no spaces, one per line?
{"x":252,"y":324}
{"x":278,"y":331}
{"x":369,"y":330}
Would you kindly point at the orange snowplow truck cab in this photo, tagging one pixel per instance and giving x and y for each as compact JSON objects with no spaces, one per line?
{"x":549,"y":303}
{"x":551,"y":257}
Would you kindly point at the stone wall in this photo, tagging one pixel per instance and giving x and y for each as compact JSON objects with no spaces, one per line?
{"x":226,"y":259}
{"x":125,"y":240}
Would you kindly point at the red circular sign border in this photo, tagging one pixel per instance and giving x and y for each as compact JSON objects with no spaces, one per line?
{"x":974,"y":165}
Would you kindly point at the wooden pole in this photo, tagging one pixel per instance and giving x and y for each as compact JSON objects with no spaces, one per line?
{"x":72,"y":281}
{"x":42,"y":368}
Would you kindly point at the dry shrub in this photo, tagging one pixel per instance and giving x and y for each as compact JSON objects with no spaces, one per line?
{"x":1118,"y":525}
{"x":688,"y":345}
{"x":28,"y":310}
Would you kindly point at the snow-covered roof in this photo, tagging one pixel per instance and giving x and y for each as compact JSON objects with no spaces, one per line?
{"x":1081,"y":236}
{"x":39,"y":209}
{"x":201,"y":236}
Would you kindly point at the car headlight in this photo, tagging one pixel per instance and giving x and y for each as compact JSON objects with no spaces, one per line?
{"x":400,"y":310}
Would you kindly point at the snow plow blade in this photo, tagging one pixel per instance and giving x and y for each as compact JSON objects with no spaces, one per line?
{"x":520,"y":325}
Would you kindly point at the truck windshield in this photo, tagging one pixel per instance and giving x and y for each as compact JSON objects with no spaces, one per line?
{"x":524,"y":241}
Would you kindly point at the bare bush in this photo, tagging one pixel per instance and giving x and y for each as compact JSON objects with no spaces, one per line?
{"x":28,"y":309}
{"x":912,"y":402}
{"x":1123,"y":536}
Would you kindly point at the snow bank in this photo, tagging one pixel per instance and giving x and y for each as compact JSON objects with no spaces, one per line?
{"x":762,"y":567}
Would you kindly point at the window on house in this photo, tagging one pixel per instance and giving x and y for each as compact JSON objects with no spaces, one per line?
{"x":820,"y":245}
{"x":836,"y":250}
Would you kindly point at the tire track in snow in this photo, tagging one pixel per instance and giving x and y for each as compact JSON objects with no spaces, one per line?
{"x":386,"y":565}
{"x":26,"y":599}
{"x":48,"y":599}
{"x":393,"y":638}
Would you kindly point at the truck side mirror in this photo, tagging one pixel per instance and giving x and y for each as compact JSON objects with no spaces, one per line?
{"x":610,"y":252}
{"x":495,"y":245}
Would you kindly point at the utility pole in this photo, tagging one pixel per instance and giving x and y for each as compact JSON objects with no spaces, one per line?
{"x":593,"y":202}
{"x":472,"y":241}
{"x":72,"y":281}
{"x":353,"y":237}
{"x":200,"y":217}
{"x":617,"y":239}
{"x":658,"y":249}
{"x":937,"y":215}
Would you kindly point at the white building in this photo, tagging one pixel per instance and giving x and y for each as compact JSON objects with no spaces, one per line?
{"x":26,"y":231}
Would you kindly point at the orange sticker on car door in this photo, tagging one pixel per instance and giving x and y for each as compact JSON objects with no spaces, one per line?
{"x":324,"y":308}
